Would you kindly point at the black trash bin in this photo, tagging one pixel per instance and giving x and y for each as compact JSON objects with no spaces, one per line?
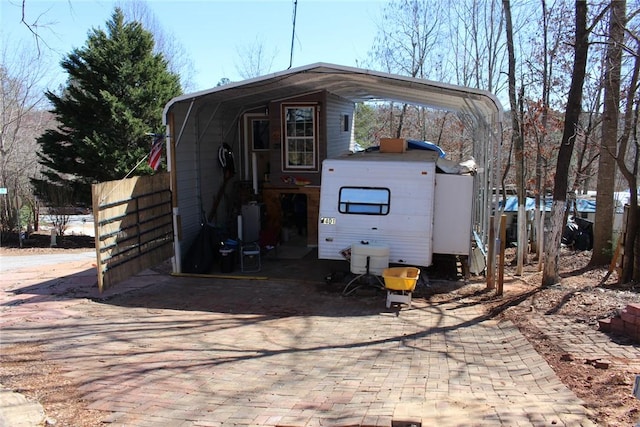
{"x":227,"y":259}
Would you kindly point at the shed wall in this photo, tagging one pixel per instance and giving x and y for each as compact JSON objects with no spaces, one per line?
{"x":338,"y":136}
{"x":186,"y":174}
{"x":317,"y":99}
{"x":199,"y":176}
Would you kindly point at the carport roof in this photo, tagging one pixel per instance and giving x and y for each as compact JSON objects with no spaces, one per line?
{"x":355,"y":84}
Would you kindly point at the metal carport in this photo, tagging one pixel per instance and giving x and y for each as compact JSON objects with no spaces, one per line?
{"x":195,"y":120}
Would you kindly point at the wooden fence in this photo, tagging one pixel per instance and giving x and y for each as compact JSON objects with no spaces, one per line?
{"x":133,"y":226}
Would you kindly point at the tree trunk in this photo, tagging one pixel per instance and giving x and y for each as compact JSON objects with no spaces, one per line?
{"x":572,"y":115}
{"x":631,"y":269}
{"x":516,"y":139}
{"x":540,"y":190}
{"x":603,"y":230}
{"x":401,"y":121}
{"x":636,"y":259}
{"x":552,"y":243}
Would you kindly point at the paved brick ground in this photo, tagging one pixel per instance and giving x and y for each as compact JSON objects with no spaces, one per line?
{"x":583,"y":342}
{"x":177,"y":351}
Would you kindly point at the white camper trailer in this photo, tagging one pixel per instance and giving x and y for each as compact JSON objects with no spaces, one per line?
{"x":391,"y":199}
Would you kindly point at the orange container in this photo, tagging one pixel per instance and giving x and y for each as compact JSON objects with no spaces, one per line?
{"x":401,"y":278}
{"x":393,"y":145}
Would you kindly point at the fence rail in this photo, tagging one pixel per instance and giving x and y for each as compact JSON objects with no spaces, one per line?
{"x":133,"y":226}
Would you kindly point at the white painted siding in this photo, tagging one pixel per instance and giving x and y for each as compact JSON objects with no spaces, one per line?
{"x":186,"y":173}
{"x":338,"y":139}
{"x":452,"y":214}
{"x":198,"y":173}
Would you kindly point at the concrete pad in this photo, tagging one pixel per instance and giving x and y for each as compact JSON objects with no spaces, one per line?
{"x":17,"y":411}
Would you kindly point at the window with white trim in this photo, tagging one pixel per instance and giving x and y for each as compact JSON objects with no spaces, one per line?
{"x":300,"y":141}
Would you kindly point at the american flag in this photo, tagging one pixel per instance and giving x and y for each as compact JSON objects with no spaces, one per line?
{"x":155,"y":156}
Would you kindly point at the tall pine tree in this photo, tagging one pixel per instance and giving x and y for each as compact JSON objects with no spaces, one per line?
{"x":115,"y":93}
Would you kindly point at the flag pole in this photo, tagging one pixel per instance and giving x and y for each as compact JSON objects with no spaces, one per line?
{"x":132,"y":169}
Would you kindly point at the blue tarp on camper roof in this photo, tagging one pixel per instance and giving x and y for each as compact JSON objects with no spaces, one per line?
{"x":583,"y":205}
{"x":511,"y":204}
{"x":425,"y":145}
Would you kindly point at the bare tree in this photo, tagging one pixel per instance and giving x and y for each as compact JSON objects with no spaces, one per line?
{"x":166,"y":43}
{"x":407,"y":39}
{"x":572,"y":117}
{"x":60,"y":201}
{"x":477,"y":44}
{"x":607,"y":164}
{"x":546,"y":74}
{"x":516,"y":139}
{"x":628,"y":159}
{"x":254,"y":60}
{"x":22,"y":119}
{"x":551,"y":50}
{"x":407,"y":43}
{"x":34,"y":26}
{"x":588,"y":143}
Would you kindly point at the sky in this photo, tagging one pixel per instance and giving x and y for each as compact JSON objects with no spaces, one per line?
{"x":212,"y":32}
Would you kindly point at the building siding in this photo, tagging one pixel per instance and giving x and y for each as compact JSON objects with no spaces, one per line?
{"x":198,"y":172}
{"x":338,"y":139}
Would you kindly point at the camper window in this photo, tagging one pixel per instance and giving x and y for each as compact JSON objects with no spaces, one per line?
{"x":364,"y":200}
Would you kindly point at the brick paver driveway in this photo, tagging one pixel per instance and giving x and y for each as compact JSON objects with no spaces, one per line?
{"x":177,"y":351}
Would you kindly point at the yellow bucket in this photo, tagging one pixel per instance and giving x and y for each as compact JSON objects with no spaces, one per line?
{"x":401,"y":278}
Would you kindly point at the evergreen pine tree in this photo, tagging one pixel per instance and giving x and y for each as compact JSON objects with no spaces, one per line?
{"x":114,"y":96}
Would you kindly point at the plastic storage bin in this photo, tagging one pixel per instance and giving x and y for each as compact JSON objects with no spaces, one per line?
{"x":378,"y":255}
{"x":401,"y":278}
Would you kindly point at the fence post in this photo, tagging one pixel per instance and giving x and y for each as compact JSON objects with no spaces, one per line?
{"x":503,"y":243}
{"x":491,"y":255}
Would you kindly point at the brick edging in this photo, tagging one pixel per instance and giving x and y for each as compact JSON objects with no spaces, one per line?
{"x":627,"y":323}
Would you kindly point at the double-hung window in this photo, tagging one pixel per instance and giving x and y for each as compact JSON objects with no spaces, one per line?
{"x":300,"y":137}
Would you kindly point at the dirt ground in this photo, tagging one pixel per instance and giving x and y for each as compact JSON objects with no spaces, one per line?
{"x":579,"y":297}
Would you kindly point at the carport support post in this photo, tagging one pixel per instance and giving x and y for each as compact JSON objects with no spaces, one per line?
{"x":503,"y":238}
{"x":491,"y":255}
